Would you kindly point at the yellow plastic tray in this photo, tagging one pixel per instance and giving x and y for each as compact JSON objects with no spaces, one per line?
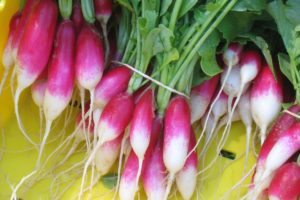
{"x":17,"y":157}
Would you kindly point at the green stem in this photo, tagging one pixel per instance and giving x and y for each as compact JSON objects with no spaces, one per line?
{"x":174,"y":15}
{"x":87,"y":7}
{"x":187,"y":36}
{"x":65,"y":8}
{"x":22,"y":4}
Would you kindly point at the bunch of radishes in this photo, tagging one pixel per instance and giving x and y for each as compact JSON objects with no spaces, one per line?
{"x":149,"y":124}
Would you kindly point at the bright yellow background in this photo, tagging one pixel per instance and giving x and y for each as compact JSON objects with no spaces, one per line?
{"x":17,"y":157}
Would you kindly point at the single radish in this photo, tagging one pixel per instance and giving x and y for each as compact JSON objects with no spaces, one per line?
{"x":103,"y":11}
{"x":89,"y":62}
{"x":265,"y":89}
{"x":154,"y":174}
{"x":285,"y":184}
{"x":186,"y":178}
{"x":140,"y":127}
{"x":201,"y":96}
{"x":244,"y":109}
{"x":7,"y":57}
{"x":38,"y":90}
{"x":287,"y":144}
{"x":114,"y":119}
{"x":284,"y":122}
{"x":77,"y":16}
{"x":231,"y":58}
{"x":61,"y":75}
{"x":32,"y":57}
{"x":176,"y":138}
{"x":128,"y":187}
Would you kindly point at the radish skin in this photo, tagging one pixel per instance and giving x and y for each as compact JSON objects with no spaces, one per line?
{"x":285,"y":184}
{"x":140,"y":127}
{"x":32,"y":57}
{"x":201,"y":96}
{"x":186,"y":178}
{"x":265,"y":89}
{"x":77,"y":16}
{"x":176,"y":138}
{"x":38,"y":90}
{"x":7,"y":57}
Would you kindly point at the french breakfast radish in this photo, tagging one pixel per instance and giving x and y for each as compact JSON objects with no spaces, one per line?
{"x":265,"y":89}
{"x":186,"y":178}
{"x":285,"y":184}
{"x":140,"y":127}
{"x":201,"y":96}
{"x":60,"y":82}
{"x":176,"y":138}
{"x":7,"y":57}
{"x":32,"y":57}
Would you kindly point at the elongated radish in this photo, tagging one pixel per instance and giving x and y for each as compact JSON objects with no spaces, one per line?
{"x":140,"y":127}
{"x":38,"y":90}
{"x":89,"y":62}
{"x":32,"y":57}
{"x":265,"y":89}
{"x":176,"y":138}
{"x":60,"y":82}
{"x":77,"y":16}
{"x":154,"y":175}
{"x":186,"y":178}
{"x":231,"y":58}
{"x":7,"y":57}
{"x":285,"y":184}
{"x":114,"y":119}
{"x":201,"y":96}
{"x":103,"y":11}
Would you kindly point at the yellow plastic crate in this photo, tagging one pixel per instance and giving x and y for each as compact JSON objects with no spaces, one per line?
{"x":17,"y":157}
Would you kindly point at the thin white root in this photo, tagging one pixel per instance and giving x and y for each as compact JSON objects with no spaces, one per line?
{"x":92,"y":98}
{"x":210,"y":110}
{"x":5,"y":75}
{"x":139,"y":173}
{"x":82,"y":97}
{"x":16,"y":101}
{"x":15,"y":190}
{"x":47,"y":131}
{"x":12,"y":81}
{"x":70,"y":152}
{"x":41,"y":122}
{"x":248,"y":138}
{"x":169,"y":185}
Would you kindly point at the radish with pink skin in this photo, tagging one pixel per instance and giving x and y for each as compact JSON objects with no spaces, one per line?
{"x":113,"y":121}
{"x":77,"y":16}
{"x":89,"y":62}
{"x":7,"y":57}
{"x":186,"y":178}
{"x":265,"y":89}
{"x":32,"y":57}
{"x":140,"y":127}
{"x":176,"y":138}
{"x":60,"y":82}
{"x":154,"y":175}
{"x":285,"y":184}
{"x":201,"y":96}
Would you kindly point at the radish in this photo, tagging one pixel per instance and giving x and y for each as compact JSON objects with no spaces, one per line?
{"x":154,"y":174}
{"x":89,"y":62}
{"x":186,"y":178}
{"x":113,"y":121}
{"x":103,"y":11}
{"x":265,"y":89}
{"x":285,"y":184}
{"x":7,"y":57}
{"x":231,"y":58}
{"x":176,"y":138}
{"x":140,"y":127}
{"x":287,"y":144}
{"x":77,"y":16}
{"x":201,"y":96}
{"x":60,"y":82}
{"x":32,"y":57}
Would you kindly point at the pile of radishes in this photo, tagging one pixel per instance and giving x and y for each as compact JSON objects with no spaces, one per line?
{"x":141,"y":104}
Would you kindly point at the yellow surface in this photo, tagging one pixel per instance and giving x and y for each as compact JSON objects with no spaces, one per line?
{"x":17,"y":157}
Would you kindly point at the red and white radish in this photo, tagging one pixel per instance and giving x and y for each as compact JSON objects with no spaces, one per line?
{"x":60,"y":82}
{"x":201,"y":96}
{"x":7,"y":57}
{"x":186,"y":178}
{"x":285,"y":184}
{"x":140,"y":127}
{"x":176,"y":138}
{"x":265,"y":89}
{"x":32,"y":57}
